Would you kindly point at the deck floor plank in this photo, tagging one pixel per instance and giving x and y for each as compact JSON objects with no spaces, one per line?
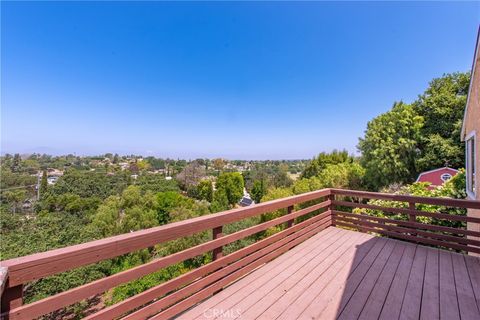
{"x":267,"y":281}
{"x":343,"y":274}
{"x":465,"y":293}
{"x":255,"y":305}
{"x":413,"y":293}
{"x":331,"y":300}
{"x":376,"y":300}
{"x":394,"y":298}
{"x":320,"y":240}
{"x":298,"y":298}
{"x":430,"y":308}
{"x":448,"y":293}
{"x":355,"y":305}
{"x":474,"y":272}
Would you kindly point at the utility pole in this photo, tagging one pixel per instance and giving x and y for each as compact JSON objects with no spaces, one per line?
{"x":38,"y":186}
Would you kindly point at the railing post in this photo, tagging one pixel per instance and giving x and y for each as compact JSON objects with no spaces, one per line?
{"x":217,"y":253}
{"x":412,"y":217}
{"x":12,"y":298}
{"x":290,"y":222}
{"x":331,"y":207}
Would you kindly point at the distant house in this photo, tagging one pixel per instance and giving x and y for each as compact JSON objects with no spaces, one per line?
{"x":470,"y":134}
{"x":246,"y":201}
{"x":52,"y":180}
{"x":437,"y":177}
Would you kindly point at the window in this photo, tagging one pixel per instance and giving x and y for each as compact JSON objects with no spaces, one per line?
{"x":446,"y":176}
{"x":470,"y":164}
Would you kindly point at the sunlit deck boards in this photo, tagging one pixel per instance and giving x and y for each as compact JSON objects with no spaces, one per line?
{"x":350,"y":275}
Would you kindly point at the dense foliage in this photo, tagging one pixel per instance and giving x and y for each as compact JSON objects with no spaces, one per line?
{"x":411,"y":138}
{"x":322,"y":160}
{"x":453,"y":188}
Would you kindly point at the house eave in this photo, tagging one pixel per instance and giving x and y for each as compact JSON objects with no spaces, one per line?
{"x":472,"y":73}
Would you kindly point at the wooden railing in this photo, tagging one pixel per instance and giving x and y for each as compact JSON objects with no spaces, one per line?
{"x":176,"y":295}
{"x":409,"y":228}
{"x":192,"y":286}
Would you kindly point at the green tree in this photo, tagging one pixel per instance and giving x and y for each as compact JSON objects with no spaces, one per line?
{"x":442,"y":106}
{"x":156,"y":183}
{"x":342,"y":175}
{"x":322,"y":160}
{"x":205,"y":190}
{"x":410,"y":139}
{"x":232,"y":184}
{"x":390,"y":146}
{"x":258,"y":190}
{"x":16,"y":162}
{"x":220,"y":201}
{"x":129,"y":212}
{"x":14,"y":198}
{"x":90,"y":184}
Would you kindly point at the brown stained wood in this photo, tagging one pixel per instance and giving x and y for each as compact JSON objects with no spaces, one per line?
{"x":465,"y":293}
{"x":413,"y":293}
{"x":430,"y":308}
{"x":318,"y":289}
{"x":374,"y":303}
{"x":160,"y":290}
{"x":69,"y":297}
{"x":394,"y":298}
{"x":473,"y":268}
{"x":414,"y":225}
{"x":244,"y":286}
{"x":307,"y":287}
{"x":448,"y":293}
{"x":408,"y":211}
{"x":12,"y":298}
{"x":335,"y":274}
{"x":405,"y":198}
{"x":353,"y":306}
{"x":252,"y":259}
{"x":330,"y":301}
{"x":217,"y":252}
{"x":262,"y":286}
{"x":411,"y":217}
{"x":397,"y":225}
{"x":290,"y":222}
{"x":327,"y":303}
{"x":199,"y":296}
{"x":397,"y":233}
{"x":39,"y":265}
{"x":25,"y":269}
{"x":301,"y":274}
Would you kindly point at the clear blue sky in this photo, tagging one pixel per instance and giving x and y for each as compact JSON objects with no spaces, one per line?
{"x":235,"y":80}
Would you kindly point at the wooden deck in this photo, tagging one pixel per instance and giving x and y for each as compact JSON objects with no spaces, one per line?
{"x":341,"y":274}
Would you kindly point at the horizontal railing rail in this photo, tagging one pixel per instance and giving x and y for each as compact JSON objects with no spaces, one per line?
{"x":25,"y":269}
{"x":409,"y":228}
{"x":331,"y":207}
{"x":447,"y":202}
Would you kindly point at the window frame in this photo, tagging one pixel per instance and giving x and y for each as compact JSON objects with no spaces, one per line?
{"x":446,"y":174}
{"x":469,"y":175}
